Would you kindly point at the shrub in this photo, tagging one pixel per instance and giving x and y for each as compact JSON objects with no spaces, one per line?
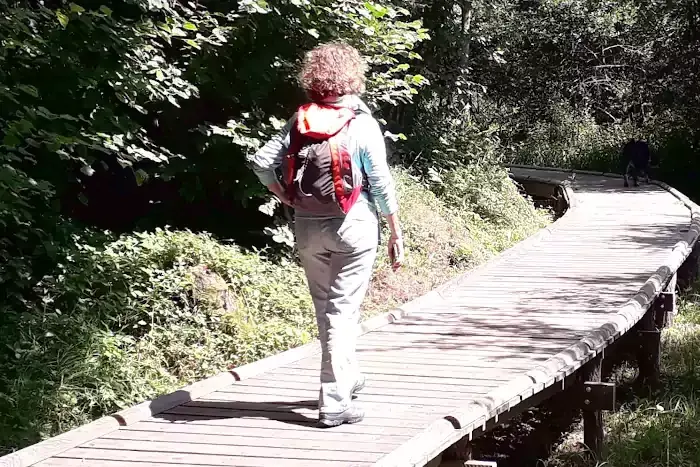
{"x":123,"y":322}
{"x":571,"y":138}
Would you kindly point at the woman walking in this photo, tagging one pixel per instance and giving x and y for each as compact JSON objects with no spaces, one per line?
{"x":333,"y":160}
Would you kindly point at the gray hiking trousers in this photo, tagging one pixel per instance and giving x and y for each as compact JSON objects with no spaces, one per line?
{"x":338,"y":255}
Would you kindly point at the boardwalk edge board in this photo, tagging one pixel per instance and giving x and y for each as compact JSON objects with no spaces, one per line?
{"x":40,"y":451}
{"x":442,"y":433}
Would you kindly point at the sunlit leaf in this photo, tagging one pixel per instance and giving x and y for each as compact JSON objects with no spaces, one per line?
{"x":75,"y":8}
{"x":192,"y":43}
{"x":62,"y":18}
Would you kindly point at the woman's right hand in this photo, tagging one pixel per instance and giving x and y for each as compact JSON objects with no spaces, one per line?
{"x":281,"y":194}
{"x":396,"y":251}
{"x":395,"y":241}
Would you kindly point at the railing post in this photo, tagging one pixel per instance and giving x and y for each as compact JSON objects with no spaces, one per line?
{"x":649,"y":351}
{"x":659,"y":316}
{"x":592,"y":374}
{"x":665,"y":304}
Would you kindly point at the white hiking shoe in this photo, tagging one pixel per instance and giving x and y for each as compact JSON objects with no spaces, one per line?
{"x":352,"y":414}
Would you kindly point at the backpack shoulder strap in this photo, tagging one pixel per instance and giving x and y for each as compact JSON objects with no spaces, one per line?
{"x":296,"y":141}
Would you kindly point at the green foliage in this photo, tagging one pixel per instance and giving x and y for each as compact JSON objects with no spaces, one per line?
{"x":78,"y":74}
{"x":558,"y":83}
{"x":487,"y":192}
{"x":148,"y":84}
{"x":447,"y":138}
{"x":569,"y":138}
{"x":120,"y":321}
{"x":252,"y":86}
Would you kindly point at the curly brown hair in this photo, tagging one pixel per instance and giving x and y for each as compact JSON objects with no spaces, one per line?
{"x":333,"y":70}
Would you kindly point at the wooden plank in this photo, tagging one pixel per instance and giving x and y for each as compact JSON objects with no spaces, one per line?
{"x":389,"y":337}
{"x":66,"y":462}
{"x":456,"y":358}
{"x":481,"y":328}
{"x":534,"y":311}
{"x":377,"y":344}
{"x":486,"y":351}
{"x":536,"y":305}
{"x":264,"y":435}
{"x":167,"y":449}
{"x":498,"y":294}
{"x":368,"y":401}
{"x":380,"y":361}
{"x":271,"y":409}
{"x":372,"y":446}
{"x":374,"y":385}
{"x":369,"y":394}
{"x":471,"y":372}
{"x":305,"y":416}
{"x":400,"y":375}
{"x":234,"y":424}
{"x":422,"y":448}
{"x":573,"y":269}
{"x":449,"y":359}
{"x":148,"y":408}
{"x":92,"y":456}
{"x":593,"y":432}
{"x":453,"y":316}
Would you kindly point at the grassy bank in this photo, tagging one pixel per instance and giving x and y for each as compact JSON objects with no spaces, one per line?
{"x":124,"y":319}
{"x":663,"y":430}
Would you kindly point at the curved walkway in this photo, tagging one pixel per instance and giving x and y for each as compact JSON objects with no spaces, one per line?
{"x":439,"y":368}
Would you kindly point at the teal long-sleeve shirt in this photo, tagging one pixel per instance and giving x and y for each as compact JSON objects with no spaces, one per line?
{"x":366,"y":144}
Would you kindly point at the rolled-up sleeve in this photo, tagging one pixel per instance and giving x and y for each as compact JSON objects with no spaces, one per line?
{"x":373,"y":156}
{"x":266,"y":160}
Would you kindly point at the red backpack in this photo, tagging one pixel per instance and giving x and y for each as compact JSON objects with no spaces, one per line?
{"x":318,"y":171}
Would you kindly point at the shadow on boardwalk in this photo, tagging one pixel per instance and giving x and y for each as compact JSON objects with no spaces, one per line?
{"x":529,"y":324}
{"x":286,"y":412}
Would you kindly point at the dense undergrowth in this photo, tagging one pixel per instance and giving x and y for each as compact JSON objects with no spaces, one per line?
{"x":661,"y":430}
{"x":123,"y":319}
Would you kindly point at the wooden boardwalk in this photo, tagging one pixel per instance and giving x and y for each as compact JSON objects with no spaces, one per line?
{"x":452,"y":362}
